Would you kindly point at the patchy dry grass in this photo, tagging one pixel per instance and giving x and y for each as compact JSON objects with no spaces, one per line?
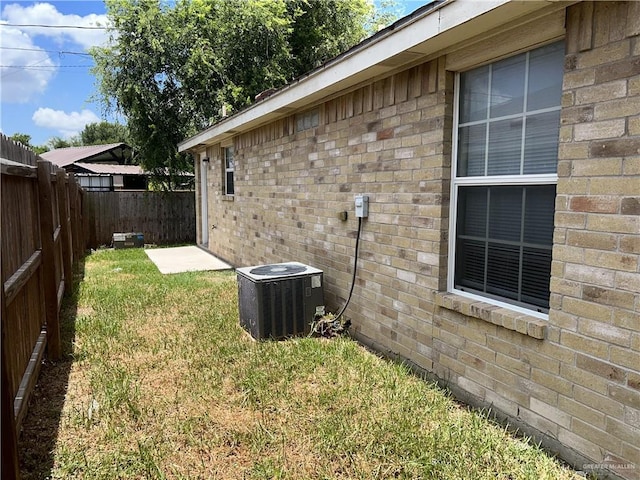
{"x":163,"y":383}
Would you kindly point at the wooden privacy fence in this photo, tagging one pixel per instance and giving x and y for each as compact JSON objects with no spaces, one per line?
{"x":41,"y":238}
{"x":163,"y":217}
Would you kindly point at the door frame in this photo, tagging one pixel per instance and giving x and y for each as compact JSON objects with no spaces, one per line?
{"x":204,"y":200}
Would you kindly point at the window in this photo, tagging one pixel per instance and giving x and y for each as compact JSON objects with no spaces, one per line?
{"x":96,"y":183}
{"x":504,"y":181}
{"x":229,"y":169}
{"x":307,"y":120}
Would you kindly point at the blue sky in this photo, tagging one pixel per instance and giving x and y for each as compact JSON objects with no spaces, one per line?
{"x":46,"y":86}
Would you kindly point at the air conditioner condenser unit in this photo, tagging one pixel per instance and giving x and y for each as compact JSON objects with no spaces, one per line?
{"x":279,"y":300}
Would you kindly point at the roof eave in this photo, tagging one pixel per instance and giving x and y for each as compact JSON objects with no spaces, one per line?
{"x":435,"y":29}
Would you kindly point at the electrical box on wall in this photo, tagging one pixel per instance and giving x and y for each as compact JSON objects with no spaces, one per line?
{"x":362,"y":206}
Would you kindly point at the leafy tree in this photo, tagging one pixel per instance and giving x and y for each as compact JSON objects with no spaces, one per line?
{"x":25,"y":139}
{"x":324,"y":29}
{"x":102,"y":133}
{"x":139,"y":76}
{"x":170,"y":68}
{"x":59,"y":142}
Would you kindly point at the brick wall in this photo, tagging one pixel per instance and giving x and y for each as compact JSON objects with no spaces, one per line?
{"x":572,"y":380}
{"x":597,"y":241}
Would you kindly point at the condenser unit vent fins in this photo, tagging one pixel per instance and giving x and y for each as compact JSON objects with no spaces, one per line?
{"x":279,"y":300}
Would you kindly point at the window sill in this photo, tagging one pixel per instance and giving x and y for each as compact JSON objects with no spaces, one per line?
{"x":503,"y":317}
{"x":227,"y":198}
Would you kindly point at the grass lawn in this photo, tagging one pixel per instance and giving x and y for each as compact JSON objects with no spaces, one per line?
{"x":161,"y":382}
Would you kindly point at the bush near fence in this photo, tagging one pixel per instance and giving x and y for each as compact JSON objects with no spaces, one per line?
{"x":42,"y":237}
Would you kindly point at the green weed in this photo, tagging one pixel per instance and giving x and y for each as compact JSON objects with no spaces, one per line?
{"x":165,"y":384}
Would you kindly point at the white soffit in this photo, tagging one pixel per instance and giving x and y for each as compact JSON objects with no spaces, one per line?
{"x":437,"y":29}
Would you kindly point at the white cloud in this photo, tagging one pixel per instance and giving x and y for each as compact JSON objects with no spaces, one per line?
{"x":19,"y":84}
{"x":47,"y":14}
{"x":67,"y":124}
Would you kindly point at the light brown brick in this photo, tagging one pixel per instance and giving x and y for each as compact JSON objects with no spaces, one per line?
{"x":600,"y":167}
{"x":625,"y":357}
{"x":501,"y":404}
{"x":514,"y":365}
{"x":542,"y":362}
{"x":583,"y":412}
{"x":553,"y":382}
{"x":564,"y":253}
{"x":617,"y":108}
{"x":450,"y":364}
{"x":596,"y":130}
{"x":565,"y":136}
{"x":562,"y":320}
{"x":550,"y":412}
{"x":624,"y":395}
{"x":630,"y":244}
{"x":634,"y":82}
{"x":604,"y":331}
{"x":581,"y":343}
{"x":633,"y":125}
{"x":607,"y":296}
{"x":572,"y":151}
{"x":604,"y":55}
{"x":537,"y":421}
{"x":586,"y":239}
{"x":596,"y":435}
{"x":585,"y":379}
{"x":573,"y":115}
{"x":628,"y":281}
{"x":601,"y":92}
{"x":503,"y":347}
{"x":586,"y":309}
{"x":626,"y":68}
{"x":570,"y":220}
{"x":600,"y":368}
{"x":473,"y":387}
{"x":568,"y":98}
{"x":589,"y":274}
{"x":579,"y":78}
{"x":601,"y":403}
{"x":610,"y":261}
{"x":577,"y":186}
{"x":631,"y":451}
{"x":627,"y":319}
{"x":614,"y":223}
{"x":588,"y":448}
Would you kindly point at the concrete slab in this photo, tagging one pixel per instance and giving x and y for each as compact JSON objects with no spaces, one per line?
{"x":184,"y":259}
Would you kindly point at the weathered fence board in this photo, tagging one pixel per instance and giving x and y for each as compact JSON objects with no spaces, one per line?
{"x":163,"y":217}
{"x":42,"y":233}
{"x":47,"y":220}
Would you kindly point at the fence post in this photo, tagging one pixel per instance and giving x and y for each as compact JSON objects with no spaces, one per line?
{"x":75,"y":215}
{"x":45,"y":192}
{"x":65,"y":229}
{"x":9,"y":438}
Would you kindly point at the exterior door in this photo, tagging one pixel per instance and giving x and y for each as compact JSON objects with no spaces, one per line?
{"x":204,"y":200}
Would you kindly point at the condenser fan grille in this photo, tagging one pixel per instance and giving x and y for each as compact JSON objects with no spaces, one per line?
{"x":278,"y":269}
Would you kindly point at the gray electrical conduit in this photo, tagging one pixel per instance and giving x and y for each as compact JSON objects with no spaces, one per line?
{"x":355,"y":268}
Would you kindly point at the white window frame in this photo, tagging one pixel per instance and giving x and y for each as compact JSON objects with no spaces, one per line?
{"x":494,"y":180}
{"x":228,"y":170}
